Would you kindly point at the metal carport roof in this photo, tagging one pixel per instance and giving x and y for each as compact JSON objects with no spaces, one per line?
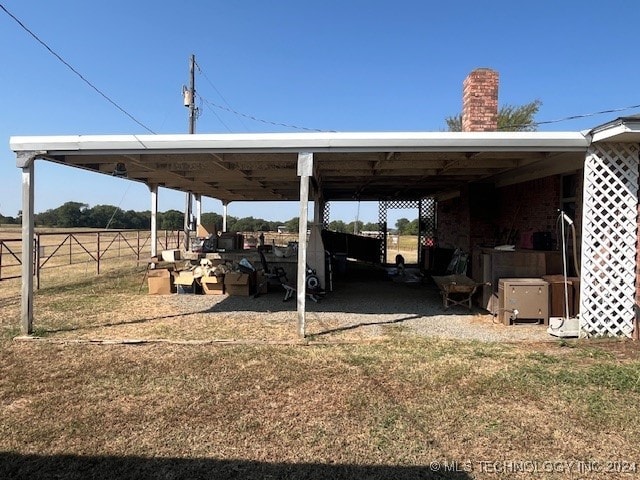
{"x":367,"y":166}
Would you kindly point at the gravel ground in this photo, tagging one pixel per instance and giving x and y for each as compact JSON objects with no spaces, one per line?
{"x":367,"y":306}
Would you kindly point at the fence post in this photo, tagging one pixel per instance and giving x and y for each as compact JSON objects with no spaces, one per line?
{"x":98,"y":253}
{"x":166,"y":240}
{"x":70,"y":249}
{"x":138,"y":248}
{"x":1,"y":246}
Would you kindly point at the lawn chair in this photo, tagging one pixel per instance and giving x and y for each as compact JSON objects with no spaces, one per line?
{"x":272,"y":276}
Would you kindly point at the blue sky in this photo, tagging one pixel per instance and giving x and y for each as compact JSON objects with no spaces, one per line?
{"x":349,"y":65}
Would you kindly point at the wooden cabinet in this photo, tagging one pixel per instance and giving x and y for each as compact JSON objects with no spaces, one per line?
{"x":490,"y":265}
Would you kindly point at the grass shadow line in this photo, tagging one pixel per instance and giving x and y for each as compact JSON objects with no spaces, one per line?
{"x":354,"y":326}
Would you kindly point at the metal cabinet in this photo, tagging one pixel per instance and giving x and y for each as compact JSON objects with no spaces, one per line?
{"x":523,"y":298}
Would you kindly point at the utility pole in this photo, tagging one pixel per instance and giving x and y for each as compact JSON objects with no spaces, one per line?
{"x":192,"y":94}
{"x":189,"y":94}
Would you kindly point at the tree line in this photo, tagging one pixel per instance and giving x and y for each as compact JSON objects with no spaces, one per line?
{"x":80,"y":215}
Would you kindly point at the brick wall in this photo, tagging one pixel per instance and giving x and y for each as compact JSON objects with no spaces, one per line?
{"x":530,"y":206}
{"x":480,"y":101}
{"x":453,"y":223}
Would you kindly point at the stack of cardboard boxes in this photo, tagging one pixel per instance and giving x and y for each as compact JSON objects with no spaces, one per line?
{"x":212,"y":277}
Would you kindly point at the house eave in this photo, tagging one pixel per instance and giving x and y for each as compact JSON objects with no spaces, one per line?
{"x":622,"y":130}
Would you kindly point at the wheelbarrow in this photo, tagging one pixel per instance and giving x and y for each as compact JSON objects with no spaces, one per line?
{"x":456,"y":289}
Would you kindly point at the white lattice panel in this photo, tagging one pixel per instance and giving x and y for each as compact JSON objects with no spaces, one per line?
{"x":609,"y":236}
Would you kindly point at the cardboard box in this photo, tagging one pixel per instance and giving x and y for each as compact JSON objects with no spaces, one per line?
{"x":171,"y":255}
{"x":206,"y":229}
{"x":236,"y":283}
{"x":160,"y":281}
{"x":184,"y":277}
{"x":213,"y":285}
{"x":186,"y":282}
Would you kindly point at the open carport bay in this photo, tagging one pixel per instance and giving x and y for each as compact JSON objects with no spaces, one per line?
{"x":366,"y":305}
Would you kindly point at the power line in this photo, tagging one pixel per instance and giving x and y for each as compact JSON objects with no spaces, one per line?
{"x":256,"y":119}
{"x":206,"y":77}
{"x":586,"y":115}
{"x":118,"y":207}
{"x":206,"y":102}
{"x":250,"y":117}
{"x":100,"y":92}
{"x":568,"y":118}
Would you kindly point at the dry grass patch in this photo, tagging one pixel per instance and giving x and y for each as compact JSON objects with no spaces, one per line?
{"x":383,"y":409}
{"x":299,"y":411}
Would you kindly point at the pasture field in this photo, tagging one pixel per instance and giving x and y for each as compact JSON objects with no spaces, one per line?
{"x":61,"y":252}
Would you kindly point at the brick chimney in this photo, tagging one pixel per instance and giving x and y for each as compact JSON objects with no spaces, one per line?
{"x":480,"y":101}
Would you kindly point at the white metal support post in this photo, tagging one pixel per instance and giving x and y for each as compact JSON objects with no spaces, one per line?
{"x":154,"y":220}
{"x":26,"y":319}
{"x":224,"y":216}
{"x":305,"y":170}
{"x":198,"y":198}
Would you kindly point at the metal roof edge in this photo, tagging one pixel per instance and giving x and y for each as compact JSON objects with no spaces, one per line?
{"x":616,"y":129}
{"x":317,"y":141}
{"x":621,"y":132}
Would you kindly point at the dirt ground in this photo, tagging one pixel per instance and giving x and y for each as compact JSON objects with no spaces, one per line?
{"x":364,"y":305}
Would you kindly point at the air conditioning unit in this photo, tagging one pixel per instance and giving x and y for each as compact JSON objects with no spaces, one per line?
{"x":523,"y":299}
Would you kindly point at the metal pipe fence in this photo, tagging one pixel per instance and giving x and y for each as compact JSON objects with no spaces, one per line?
{"x":60,"y":249}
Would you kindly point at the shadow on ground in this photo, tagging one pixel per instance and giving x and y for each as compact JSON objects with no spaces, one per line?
{"x":71,"y":467}
{"x":353,"y":296}
{"x":367,"y":290}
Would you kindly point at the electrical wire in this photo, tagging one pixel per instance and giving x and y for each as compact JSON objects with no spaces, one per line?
{"x":118,"y":207}
{"x":206,"y":77}
{"x":571,"y":117}
{"x":256,"y":119}
{"x":585,"y":115}
{"x":70,"y":67}
{"x":208,"y":104}
{"x":250,"y":117}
